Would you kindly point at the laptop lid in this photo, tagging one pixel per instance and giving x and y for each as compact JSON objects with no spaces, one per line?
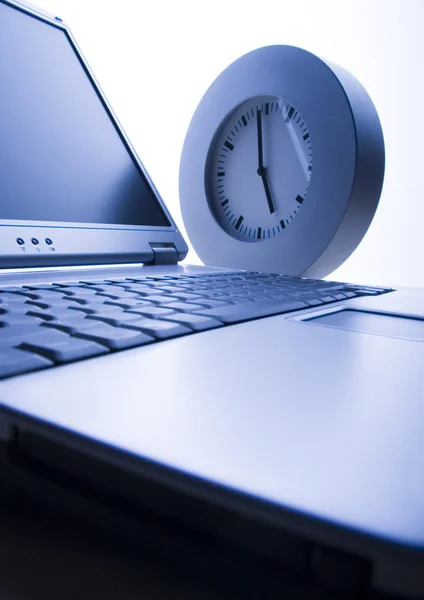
{"x":72,"y":188}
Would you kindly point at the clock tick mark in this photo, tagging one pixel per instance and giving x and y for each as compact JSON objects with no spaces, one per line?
{"x":244,"y":120}
{"x":300,"y":199}
{"x":289,"y":114}
{"x":259,"y":233}
{"x":224,"y":202}
{"x":283,"y":225}
{"x":239,"y":222}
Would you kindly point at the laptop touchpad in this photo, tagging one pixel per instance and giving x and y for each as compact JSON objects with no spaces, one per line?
{"x":390,"y":325}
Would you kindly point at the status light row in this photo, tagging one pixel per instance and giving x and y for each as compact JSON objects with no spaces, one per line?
{"x":34,"y":241}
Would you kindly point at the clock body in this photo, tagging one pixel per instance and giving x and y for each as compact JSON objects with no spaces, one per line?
{"x":282,"y":165}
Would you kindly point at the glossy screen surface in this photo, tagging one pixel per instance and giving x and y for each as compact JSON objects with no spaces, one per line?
{"x":62,"y":159}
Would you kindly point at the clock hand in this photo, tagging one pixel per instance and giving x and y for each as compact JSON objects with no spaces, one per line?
{"x":268,"y":192}
{"x":260,"y":148}
{"x":261,"y":169}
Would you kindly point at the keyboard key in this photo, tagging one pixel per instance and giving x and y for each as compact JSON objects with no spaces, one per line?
{"x":373,"y":289}
{"x":61,"y":301}
{"x":158,"y":329}
{"x":9,"y":319}
{"x":117,"y":281}
{"x":63,"y":350}
{"x":94,"y":308}
{"x":94,"y":299}
{"x":115,"y":338}
{"x":41,"y":294}
{"x":72,"y":326}
{"x":329,"y":287}
{"x":236,"y":314}
{"x":186,"y":307}
{"x":129,"y":303}
{"x":154,"y":312}
{"x":214,"y":303}
{"x":6,"y":297}
{"x":117,"y":319}
{"x":11,"y":288}
{"x":228,"y":294}
{"x":149,"y":292}
{"x":138,"y":288}
{"x":56,"y":313}
{"x":13,"y":335}
{"x":52,"y":288}
{"x":16,"y":362}
{"x":367,"y":292}
{"x":121,"y":295}
{"x":172,"y":290}
{"x":80,"y":292}
{"x":114,"y":290}
{"x":187,"y":296}
{"x":160,"y":299}
{"x":44,"y":335}
{"x":195,"y":322}
{"x":20,"y":308}
{"x":312,"y":301}
{"x":327,"y":299}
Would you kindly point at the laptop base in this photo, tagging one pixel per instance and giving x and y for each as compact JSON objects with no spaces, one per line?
{"x":232,"y":551}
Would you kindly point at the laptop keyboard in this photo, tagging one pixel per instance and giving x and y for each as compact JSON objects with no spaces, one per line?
{"x":46,"y":325}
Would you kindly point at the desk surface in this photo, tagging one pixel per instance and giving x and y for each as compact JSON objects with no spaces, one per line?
{"x":47,"y":560}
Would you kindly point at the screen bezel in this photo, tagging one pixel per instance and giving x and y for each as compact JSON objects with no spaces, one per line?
{"x":97,"y":243}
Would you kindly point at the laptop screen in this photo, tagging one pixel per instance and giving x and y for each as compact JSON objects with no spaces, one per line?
{"x":62,"y":159}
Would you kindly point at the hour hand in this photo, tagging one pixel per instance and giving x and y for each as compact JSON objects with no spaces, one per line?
{"x":268,"y":192}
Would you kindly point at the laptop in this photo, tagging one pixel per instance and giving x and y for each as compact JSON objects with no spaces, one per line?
{"x":263,"y":429}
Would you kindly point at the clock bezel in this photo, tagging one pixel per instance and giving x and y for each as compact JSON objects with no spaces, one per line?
{"x":348,"y":163}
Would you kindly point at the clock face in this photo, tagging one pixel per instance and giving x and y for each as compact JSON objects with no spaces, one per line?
{"x":258,"y":169}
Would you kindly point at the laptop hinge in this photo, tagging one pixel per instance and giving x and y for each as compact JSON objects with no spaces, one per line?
{"x":164,"y":254}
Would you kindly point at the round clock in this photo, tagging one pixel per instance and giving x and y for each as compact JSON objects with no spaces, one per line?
{"x":282,"y":166}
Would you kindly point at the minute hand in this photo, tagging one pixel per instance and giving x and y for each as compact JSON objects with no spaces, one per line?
{"x":261,"y":169}
{"x":260,"y":147}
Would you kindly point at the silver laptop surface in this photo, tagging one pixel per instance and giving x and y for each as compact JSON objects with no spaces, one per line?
{"x":281,"y":417}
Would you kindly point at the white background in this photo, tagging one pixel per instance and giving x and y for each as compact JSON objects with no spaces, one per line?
{"x":154,"y":60}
